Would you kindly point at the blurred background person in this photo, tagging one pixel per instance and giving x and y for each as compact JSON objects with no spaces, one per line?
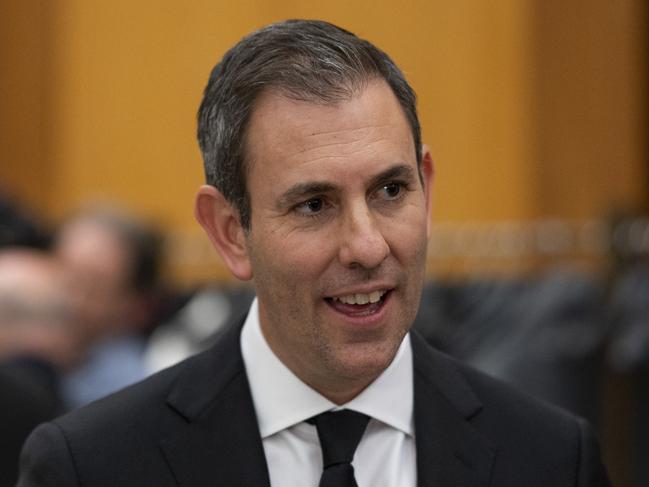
{"x":112,"y":265}
{"x":37,"y":342}
{"x":37,"y":319}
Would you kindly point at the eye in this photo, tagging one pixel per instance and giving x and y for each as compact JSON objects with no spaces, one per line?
{"x":392,"y":190}
{"x":311,"y":207}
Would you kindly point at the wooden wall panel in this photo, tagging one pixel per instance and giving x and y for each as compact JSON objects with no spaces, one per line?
{"x":26,"y":172}
{"x":532,"y":109}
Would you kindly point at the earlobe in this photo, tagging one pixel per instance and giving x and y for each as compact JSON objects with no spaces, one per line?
{"x":428,"y":174}
{"x":221,"y":223}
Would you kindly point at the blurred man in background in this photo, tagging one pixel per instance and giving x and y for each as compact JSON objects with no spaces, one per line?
{"x":36,"y":315}
{"x":111,"y":259}
{"x":37,"y":342}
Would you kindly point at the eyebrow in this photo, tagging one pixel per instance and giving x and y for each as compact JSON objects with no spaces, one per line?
{"x":302,"y":191}
{"x":401,"y":171}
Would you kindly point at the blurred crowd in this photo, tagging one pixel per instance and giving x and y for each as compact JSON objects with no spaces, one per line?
{"x":75,"y":305}
{"x":80,"y":306}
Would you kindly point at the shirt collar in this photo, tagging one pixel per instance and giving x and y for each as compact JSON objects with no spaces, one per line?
{"x":388,"y":399}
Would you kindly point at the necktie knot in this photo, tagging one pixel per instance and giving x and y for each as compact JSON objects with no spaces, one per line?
{"x":340,"y":433}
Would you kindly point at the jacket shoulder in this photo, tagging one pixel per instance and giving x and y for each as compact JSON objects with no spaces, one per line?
{"x":117,"y":440}
{"x":528,"y":435}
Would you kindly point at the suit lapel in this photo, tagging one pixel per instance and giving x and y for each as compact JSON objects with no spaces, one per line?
{"x":215,"y":439}
{"x":450,"y":451}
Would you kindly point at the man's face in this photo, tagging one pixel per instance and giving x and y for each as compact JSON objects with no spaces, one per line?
{"x":97,"y":264}
{"x":338,"y":234}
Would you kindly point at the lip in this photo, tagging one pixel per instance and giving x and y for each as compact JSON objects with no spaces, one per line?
{"x":360,"y":319}
{"x":362,"y":290}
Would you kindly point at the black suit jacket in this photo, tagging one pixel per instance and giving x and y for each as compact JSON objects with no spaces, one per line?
{"x":195,"y":425}
{"x":27,"y":397}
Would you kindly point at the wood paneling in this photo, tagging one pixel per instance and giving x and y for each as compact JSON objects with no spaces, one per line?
{"x":532,"y":109}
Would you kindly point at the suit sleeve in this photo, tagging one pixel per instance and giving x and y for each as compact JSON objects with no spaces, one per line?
{"x":591,"y":471}
{"x":46,"y":460}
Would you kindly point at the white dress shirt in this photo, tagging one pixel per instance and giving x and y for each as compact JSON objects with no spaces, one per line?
{"x":385,"y":456}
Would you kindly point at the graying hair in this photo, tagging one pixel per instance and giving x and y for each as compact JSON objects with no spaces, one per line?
{"x":306,"y":60}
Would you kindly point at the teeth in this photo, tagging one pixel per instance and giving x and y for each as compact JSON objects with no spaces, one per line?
{"x":372,"y":297}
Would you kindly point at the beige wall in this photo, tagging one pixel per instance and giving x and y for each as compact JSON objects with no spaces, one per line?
{"x":532,"y":109}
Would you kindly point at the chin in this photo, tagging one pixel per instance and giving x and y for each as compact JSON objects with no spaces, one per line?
{"x":366,"y":361}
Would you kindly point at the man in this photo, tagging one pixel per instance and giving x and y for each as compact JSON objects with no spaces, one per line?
{"x":318,"y":192}
{"x":36,"y":343}
{"x":112,"y":295}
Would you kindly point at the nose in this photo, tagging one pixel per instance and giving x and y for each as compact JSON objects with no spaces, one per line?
{"x":362,"y":242}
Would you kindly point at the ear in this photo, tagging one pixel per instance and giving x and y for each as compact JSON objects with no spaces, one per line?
{"x":221,"y":223}
{"x":428,"y":174}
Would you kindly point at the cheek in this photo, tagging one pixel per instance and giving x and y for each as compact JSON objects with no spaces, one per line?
{"x":290,"y":264}
{"x":408,"y":238}
{"x":306,"y":254}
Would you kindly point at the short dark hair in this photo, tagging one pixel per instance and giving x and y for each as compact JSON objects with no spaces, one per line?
{"x":306,"y":60}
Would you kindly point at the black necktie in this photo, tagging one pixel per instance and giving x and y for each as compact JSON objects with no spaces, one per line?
{"x":339,"y":433}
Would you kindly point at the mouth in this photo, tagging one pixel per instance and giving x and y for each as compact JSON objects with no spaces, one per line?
{"x":360,"y":304}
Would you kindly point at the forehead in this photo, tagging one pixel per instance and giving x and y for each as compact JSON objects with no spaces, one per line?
{"x":289,"y":136}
